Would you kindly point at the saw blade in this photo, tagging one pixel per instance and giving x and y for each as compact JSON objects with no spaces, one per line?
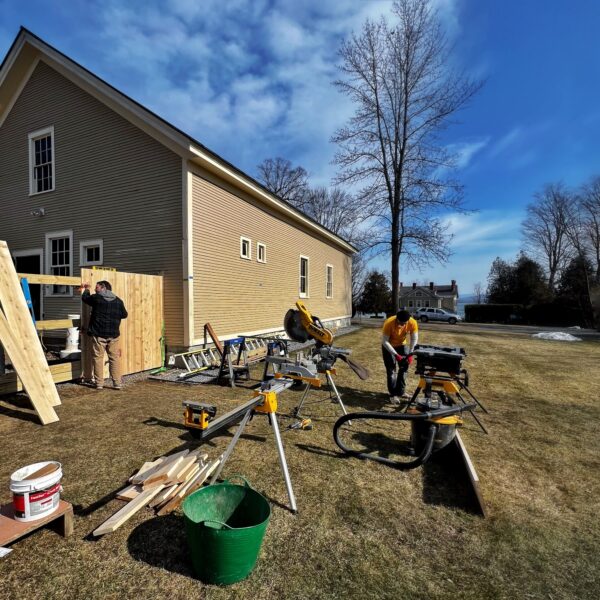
{"x":292,"y":323}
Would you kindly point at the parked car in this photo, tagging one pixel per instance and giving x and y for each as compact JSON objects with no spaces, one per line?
{"x":437,"y":314}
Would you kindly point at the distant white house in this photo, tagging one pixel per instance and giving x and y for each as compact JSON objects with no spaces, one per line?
{"x":430,"y":296}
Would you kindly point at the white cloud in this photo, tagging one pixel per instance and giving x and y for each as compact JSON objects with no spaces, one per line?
{"x":465,"y":151}
{"x":507,"y":140}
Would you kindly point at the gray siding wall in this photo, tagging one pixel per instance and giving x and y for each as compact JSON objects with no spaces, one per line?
{"x":113,"y":182}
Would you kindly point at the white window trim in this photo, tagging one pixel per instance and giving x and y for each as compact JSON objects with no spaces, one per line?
{"x":242,"y":240}
{"x":82,"y":253}
{"x":307,"y":293}
{"x":264,"y":247}
{"x":327,"y":267}
{"x":31,"y":138}
{"x":50,"y":236}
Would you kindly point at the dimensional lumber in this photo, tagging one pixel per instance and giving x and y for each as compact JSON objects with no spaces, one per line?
{"x":187,"y":488}
{"x":130,"y":492}
{"x":24,"y":364}
{"x":160,"y":469}
{"x":67,"y":371}
{"x":146,"y":467}
{"x":20,"y":341}
{"x":142,"y":330}
{"x":114,"y":522}
{"x":56,"y":324}
{"x":36,"y":278}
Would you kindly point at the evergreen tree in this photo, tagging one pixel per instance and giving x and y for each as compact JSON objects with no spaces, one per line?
{"x":376,"y":296}
{"x":529,"y":281}
{"x":572,"y":287}
{"x":500,"y":282}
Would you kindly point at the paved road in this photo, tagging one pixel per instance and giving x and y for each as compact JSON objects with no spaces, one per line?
{"x":586,"y":334}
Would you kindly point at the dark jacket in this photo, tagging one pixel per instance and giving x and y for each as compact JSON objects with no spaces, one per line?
{"x":106,"y":315}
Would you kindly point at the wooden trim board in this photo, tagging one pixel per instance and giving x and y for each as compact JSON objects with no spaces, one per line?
{"x":62,"y":372}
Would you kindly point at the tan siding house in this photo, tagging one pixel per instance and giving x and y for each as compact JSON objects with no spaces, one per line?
{"x":123,"y":188}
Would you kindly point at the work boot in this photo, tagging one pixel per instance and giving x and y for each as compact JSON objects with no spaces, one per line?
{"x":395,"y":400}
{"x":117,"y":385}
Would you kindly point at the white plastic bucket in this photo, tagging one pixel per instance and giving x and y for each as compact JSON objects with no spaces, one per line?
{"x":35,"y":498}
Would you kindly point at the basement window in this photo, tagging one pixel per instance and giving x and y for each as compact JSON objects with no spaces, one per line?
{"x":91,"y":253}
{"x":59,"y":260}
{"x":41,"y":161}
{"x":261,"y":252}
{"x":245,"y":248}
{"x":329,"y":281}
{"x":303,"y":286}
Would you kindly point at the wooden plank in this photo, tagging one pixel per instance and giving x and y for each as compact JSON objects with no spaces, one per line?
{"x":187,"y":488}
{"x":11,"y":529}
{"x":42,"y":279}
{"x":147,"y":466}
{"x":56,"y":324}
{"x":473,"y":477}
{"x":40,"y":387}
{"x":130,"y":492}
{"x":121,"y":516}
{"x":161,"y":468}
{"x":62,"y":372}
{"x":21,"y":361}
{"x":163,"y":496}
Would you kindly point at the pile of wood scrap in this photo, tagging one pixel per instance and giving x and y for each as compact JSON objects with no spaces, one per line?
{"x":161,"y":484}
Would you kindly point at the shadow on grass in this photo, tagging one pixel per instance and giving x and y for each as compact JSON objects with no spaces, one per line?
{"x":446,"y":482}
{"x":161,"y":542}
{"x":19,"y":408}
{"x":362,"y":399}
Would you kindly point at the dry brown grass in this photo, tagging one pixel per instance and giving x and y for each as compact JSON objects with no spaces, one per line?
{"x":363,"y":530}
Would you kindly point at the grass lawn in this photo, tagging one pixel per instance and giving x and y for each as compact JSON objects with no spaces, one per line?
{"x":363,"y":530}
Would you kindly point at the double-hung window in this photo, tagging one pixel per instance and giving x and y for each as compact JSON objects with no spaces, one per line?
{"x":59,"y":260}
{"x":329,"y":281}
{"x":41,"y":161}
{"x":303,"y":284}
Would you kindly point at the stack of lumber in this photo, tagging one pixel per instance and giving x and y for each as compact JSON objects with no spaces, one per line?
{"x":161,"y":484}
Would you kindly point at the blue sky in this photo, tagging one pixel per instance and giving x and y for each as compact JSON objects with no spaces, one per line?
{"x":252,"y":80}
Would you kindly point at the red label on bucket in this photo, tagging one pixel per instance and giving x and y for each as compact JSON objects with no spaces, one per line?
{"x":37,"y":496}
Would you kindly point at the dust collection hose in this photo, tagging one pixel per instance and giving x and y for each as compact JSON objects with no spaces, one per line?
{"x":382,"y":416}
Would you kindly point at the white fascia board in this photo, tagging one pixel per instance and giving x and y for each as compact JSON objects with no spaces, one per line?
{"x":213,"y":165}
{"x":11,"y":59}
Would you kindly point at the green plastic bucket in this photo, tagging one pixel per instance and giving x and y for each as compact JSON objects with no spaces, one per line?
{"x":225,"y":525}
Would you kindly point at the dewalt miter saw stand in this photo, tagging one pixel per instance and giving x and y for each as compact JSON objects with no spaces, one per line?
{"x":200,"y":419}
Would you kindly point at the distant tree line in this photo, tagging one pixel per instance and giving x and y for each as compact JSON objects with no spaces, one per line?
{"x":556,"y":278}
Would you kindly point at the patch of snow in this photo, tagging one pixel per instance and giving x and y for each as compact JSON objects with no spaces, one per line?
{"x":574,"y":327}
{"x":556,"y":335}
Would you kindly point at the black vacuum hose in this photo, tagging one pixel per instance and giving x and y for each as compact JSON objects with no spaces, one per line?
{"x":383,"y":416}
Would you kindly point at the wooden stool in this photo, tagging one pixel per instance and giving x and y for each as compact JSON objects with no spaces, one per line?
{"x":11,"y":529}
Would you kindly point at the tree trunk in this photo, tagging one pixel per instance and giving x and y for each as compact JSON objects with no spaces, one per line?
{"x":395,"y":263}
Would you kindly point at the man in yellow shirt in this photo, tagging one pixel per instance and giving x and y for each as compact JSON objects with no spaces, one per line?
{"x":399,"y":337}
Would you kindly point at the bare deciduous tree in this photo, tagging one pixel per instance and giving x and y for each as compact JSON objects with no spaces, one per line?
{"x":545,"y":229}
{"x":287,"y":182}
{"x":589,"y":201}
{"x":405,"y":94}
{"x":478,"y":292}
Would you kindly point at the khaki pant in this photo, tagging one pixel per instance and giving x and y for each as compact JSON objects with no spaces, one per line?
{"x":113,"y":349}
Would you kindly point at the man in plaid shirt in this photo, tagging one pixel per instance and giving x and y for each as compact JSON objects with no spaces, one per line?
{"x":103,"y":328}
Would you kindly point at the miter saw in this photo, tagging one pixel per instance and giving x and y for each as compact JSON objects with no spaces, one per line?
{"x":301,"y":326}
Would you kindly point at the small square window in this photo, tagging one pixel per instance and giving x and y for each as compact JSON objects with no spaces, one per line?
{"x":245,"y":248}
{"x":91,"y":253}
{"x":261,"y":252}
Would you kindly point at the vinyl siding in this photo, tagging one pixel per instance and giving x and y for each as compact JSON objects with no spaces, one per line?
{"x":113,"y":182}
{"x":241,"y":296}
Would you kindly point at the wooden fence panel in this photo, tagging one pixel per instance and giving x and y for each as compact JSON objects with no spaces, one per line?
{"x":141,"y":332}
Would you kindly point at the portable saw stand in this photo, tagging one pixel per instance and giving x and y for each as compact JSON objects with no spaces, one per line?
{"x":304,"y":370}
{"x":198,"y":417}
